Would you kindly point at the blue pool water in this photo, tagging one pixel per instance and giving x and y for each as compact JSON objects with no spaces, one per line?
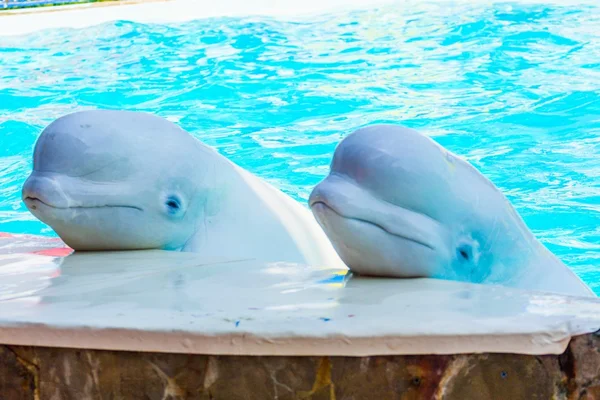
{"x":513,"y":88}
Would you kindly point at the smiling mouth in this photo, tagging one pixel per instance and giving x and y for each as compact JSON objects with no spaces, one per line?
{"x":34,"y":201}
{"x":363,"y":221}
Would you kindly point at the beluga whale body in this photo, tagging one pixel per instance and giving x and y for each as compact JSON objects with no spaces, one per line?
{"x":396,"y":203}
{"x":107,"y":180}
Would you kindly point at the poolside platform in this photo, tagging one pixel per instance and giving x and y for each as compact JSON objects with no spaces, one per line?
{"x":166,"y":325}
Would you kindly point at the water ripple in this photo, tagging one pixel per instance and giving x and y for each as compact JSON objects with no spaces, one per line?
{"x":513,"y":88}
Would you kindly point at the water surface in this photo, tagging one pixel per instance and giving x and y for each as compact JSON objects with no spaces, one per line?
{"x":513,"y":88}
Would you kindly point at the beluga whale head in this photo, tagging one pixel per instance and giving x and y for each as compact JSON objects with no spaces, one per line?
{"x":118,"y":180}
{"x":107,"y":180}
{"x":395,"y":203}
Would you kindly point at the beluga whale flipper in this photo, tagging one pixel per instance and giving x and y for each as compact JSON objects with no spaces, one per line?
{"x":124,"y":180}
{"x":398,"y":204}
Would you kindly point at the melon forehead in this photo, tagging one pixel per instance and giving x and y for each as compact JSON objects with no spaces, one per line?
{"x":87,"y":140}
{"x":112,"y":129}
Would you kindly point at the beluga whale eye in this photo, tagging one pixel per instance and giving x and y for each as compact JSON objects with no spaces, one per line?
{"x":173,"y":205}
{"x":464,"y":252}
{"x":468,"y":259}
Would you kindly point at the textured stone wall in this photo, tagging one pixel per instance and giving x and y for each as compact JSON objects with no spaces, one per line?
{"x":51,"y":373}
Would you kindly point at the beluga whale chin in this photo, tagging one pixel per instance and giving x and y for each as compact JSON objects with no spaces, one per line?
{"x":398,"y":204}
{"x":123,"y":180}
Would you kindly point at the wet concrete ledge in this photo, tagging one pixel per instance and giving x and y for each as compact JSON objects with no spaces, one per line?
{"x":60,"y":373}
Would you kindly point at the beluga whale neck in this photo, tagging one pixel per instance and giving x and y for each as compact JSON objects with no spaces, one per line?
{"x":107,"y":180}
{"x":396,"y":203}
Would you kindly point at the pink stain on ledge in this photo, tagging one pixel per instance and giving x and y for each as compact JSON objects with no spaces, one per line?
{"x":62,"y":251}
{"x":56,"y":252}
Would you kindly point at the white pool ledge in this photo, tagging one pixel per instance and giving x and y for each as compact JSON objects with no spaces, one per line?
{"x":173,"y":302}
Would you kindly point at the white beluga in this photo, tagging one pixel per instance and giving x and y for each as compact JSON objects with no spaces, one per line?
{"x":398,"y":204}
{"x":108,"y":180}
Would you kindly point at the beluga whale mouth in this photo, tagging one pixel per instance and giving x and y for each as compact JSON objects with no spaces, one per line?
{"x":333,"y":198}
{"x":51,"y":191}
{"x":323,"y":207}
{"x":33,"y":203}
{"x":395,"y":203}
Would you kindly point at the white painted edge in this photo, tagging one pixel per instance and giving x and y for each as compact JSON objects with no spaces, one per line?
{"x":250,"y":345}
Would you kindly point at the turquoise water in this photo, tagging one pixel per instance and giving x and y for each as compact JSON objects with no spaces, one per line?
{"x":513,"y":88}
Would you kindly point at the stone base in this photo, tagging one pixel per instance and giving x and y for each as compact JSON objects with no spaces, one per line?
{"x":54,"y":373}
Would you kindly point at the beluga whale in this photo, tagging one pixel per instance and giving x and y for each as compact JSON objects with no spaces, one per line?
{"x":397,"y":204}
{"x":109,"y":180}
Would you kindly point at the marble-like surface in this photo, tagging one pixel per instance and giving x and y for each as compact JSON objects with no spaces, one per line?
{"x":51,"y":373}
{"x":178,"y":303}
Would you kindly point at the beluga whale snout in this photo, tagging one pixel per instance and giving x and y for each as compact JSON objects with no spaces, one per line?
{"x":396,"y":203}
{"x":107,"y":180}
